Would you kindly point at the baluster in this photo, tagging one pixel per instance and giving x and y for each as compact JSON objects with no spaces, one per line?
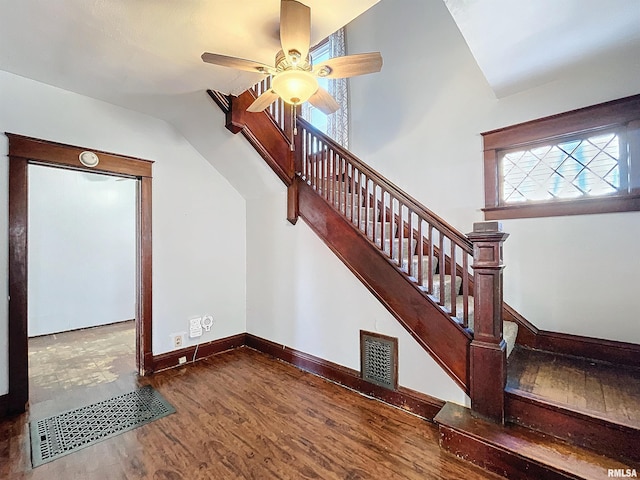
{"x":465,"y":289}
{"x":323,"y":173}
{"x":399,"y":233}
{"x":430,"y":260}
{"x":352,"y":193}
{"x":367,"y":214}
{"x":333,"y":178}
{"x":343,"y":188}
{"x":420,"y":245}
{"x":453,"y":277}
{"x":382,"y":215}
{"x":410,"y":236}
{"x":441,"y":266}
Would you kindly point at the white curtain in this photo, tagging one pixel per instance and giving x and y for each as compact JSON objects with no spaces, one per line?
{"x":338,"y":122}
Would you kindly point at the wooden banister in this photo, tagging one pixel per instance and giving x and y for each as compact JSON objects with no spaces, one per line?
{"x":393,"y":220}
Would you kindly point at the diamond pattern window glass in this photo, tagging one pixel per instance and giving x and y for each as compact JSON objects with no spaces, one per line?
{"x":585,"y":161}
{"x":588,"y":166}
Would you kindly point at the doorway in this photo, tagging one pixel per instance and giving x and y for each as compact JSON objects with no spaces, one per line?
{"x":81,"y":284}
{"x":24,"y":151}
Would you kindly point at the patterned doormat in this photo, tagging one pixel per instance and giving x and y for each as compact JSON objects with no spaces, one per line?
{"x":67,"y":432}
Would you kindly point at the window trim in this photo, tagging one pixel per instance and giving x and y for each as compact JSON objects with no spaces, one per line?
{"x":622,"y":114}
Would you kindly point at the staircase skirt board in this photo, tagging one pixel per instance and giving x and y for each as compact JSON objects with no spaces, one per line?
{"x":447,"y":342}
{"x":587,"y":430}
{"x":515,"y":452}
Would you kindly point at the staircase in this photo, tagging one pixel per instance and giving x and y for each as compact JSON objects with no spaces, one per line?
{"x":445,"y":288}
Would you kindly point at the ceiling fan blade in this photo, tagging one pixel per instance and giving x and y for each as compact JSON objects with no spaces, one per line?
{"x":235,"y":62}
{"x":324,"y":102}
{"x":350,"y":65}
{"x":263,"y":101}
{"x":295,"y":27}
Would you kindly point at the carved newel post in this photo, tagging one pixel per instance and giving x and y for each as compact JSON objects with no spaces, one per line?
{"x":488,"y":353}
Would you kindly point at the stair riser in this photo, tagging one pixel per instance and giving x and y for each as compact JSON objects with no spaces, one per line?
{"x":495,"y":459}
{"x":589,"y":432}
{"x":447,"y":288}
{"x":404,"y":252}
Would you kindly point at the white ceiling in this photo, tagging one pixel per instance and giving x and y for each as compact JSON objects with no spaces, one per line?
{"x":115,"y":50}
{"x":136,"y":52}
{"x":519,"y":44}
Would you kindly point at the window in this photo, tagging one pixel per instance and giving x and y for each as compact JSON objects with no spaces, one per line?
{"x":579,"y":162}
{"x":335,"y":125}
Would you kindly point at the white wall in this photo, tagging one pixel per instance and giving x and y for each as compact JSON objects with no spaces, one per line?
{"x":82,"y":250}
{"x":198,"y":218}
{"x":301,"y":295}
{"x":419,"y":123}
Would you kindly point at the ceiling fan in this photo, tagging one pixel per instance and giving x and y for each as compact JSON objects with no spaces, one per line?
{"x":294,"y":75}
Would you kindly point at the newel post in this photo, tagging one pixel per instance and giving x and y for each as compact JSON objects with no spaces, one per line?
{"x":296,"y":166}
{"x":488,"y":352}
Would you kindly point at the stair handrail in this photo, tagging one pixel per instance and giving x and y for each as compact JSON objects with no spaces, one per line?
{"x":462,"y":240}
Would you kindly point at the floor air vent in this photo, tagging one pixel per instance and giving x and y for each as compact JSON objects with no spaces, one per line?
{"x":379,"y":359}
{"x":67,"y":432}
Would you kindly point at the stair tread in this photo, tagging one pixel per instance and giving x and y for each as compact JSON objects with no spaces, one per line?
{"x":530,"y":446}
{"x":612,"y":394}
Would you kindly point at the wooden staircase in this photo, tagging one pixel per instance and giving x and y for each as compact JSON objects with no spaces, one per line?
{"x":445,"y":289}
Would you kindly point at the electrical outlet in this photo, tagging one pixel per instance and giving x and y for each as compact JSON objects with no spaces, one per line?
{"x":177,"y":340}
{"x":182,"y":360}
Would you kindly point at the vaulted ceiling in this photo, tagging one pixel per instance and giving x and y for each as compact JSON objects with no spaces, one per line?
{"x":519,"y":44}
{"x":133,"y":52}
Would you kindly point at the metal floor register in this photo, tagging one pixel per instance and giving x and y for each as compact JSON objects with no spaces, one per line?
{"x":61,"y":434}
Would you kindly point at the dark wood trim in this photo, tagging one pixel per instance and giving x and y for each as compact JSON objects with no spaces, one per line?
{"x":514,"y":452}
{"x":23,"y":151}
{"x":67,"y":156}
{"x":292,"y":203}
{"x":526,"y":330}
{"x":614,"y":112}
{"x":171,"y":359}
{"x":221,"y":100}
{"x":589,"y":431}
{"x":4,"y":405}
{"x":620,"y":353}
{"x":144,"y":294}
{"x":18,"y":251}
{"x":622,"y":114}
{"x":414,"y":402}
{"x":583,"y":206}
{"x":263,"y":133}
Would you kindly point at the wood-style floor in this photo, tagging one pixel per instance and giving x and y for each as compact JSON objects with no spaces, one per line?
{"x":66,"y":369}
{"x":245,"y":415}
{"x":608,"y":391}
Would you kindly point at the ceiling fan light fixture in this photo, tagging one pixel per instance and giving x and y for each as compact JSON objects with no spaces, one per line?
{"x":294,"y":86}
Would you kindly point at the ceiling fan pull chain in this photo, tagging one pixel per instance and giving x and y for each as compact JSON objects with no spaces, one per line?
{"x":294,"y":122}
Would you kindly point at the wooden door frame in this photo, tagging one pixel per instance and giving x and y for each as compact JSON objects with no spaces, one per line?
{"x":22,"y":152}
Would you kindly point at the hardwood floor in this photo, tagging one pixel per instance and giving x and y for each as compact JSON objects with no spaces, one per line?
{"x":66,"y":369}
{"x":608,"y":391}
{"x":243,"y":414}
